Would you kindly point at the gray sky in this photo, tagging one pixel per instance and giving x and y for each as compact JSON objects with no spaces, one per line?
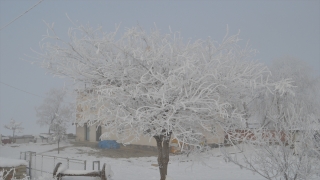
{"x":274,"y":28}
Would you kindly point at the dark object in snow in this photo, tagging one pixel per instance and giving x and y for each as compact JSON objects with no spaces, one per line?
{"x":109,"y":144}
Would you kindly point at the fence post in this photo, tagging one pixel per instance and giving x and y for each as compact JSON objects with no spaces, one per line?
{"x":41,"y":163}
{"x":30,"y":163}
{"x":68,"y":163}
{"x":35,"y":163}
{"x":85,"y":164}
{"x":94,"y":162}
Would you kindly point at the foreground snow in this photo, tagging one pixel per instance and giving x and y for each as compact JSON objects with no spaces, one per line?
{"x":211,"y":168}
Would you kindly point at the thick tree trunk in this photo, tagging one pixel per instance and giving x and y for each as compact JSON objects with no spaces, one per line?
{"x":163,"y":154}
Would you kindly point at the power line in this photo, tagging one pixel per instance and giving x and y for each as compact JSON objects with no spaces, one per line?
{"x":21,"y":15}
{"x":20,"y":89}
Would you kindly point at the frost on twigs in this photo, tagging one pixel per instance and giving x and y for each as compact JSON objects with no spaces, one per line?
{"x":284,"y":143}
{"x":53,"y":109}
{"x":284,"y":86}
{"x":149,"y":83}
{"x":286,"y":149}
{"x":160,"y":85}
{"x":14,"y":126}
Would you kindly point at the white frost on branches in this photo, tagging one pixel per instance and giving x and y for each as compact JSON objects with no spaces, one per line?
{"x":288,"y":149}
{"x":14,"y":126}
{"x":162,"y":86}
{"x":286,"y":145}
{"x":59,"y":129}
{"x":155,"y":84}
{"x":54,"y":109}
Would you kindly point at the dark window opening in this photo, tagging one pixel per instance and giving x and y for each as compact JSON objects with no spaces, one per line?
{"x":98,"y":133}
{"x":87,"y":131}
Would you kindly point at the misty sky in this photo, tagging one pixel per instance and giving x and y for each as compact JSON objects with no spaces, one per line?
{"x":274,"y":28}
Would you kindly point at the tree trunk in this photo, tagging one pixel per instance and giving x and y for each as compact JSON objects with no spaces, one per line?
{"x":48,"y":135}
{"x":163,"y":154}
{"x":13,"y":140}
{"x":58,"y":145}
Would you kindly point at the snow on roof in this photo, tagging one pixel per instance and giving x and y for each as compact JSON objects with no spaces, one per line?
{"x":23,"y":137}
{"x":6,"y":162}
{"x":43,"y":135}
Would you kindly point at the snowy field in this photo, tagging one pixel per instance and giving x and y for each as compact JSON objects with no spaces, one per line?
{"x":210,"y":168}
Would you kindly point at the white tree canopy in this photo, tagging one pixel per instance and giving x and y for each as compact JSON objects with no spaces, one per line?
{"x":154,"y":83}
{"x":288,"y":149}
{"x":306,"y":84}
{"x":287,"y":144}
{"x":303,"y":95}
{"x":54,"y":108}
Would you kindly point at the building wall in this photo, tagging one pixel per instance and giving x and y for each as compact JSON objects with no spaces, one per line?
{"x":80,"y":135}
{"x":92,"y":133}
{"x":143,"y":140}
{"x":20,"y":140}
{"x":218,"y":138}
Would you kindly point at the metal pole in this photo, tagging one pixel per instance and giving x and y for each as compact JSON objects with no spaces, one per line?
{"x":68,"y":163}
{"x":35,"y":162}
{"x":94,"y":162}
{"x":85,"y":164}
{"x":41,"y":164}
{"x":30,"y":163}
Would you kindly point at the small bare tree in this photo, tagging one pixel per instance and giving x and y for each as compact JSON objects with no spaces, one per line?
{"x":15,"y":127}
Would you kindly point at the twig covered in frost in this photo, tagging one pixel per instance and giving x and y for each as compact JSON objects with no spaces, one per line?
{"x":157,"y":85}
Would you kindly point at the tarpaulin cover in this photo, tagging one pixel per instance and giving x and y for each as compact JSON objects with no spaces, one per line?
{"x":109,"y":144}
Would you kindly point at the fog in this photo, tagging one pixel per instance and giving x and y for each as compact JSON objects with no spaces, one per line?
{"x":274,"y":28}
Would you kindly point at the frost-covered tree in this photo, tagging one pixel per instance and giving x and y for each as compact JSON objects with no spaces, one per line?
{"x":54,"y":109}
{"x":288,"y":149}
{"x":286,"y":144}
{"x":306,"y":84}
{"x":157,"y":85}
{"x":14,"y":126}
{"x":305,"y":87}
{"x":59,"y":129}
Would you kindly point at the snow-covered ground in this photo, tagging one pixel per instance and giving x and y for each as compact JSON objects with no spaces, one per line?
{"x":211,"y":168}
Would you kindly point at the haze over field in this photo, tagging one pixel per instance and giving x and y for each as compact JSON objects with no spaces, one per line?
{"x":275,"y":29}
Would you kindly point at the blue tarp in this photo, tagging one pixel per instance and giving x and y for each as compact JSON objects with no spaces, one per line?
{"x":109,"y":144}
